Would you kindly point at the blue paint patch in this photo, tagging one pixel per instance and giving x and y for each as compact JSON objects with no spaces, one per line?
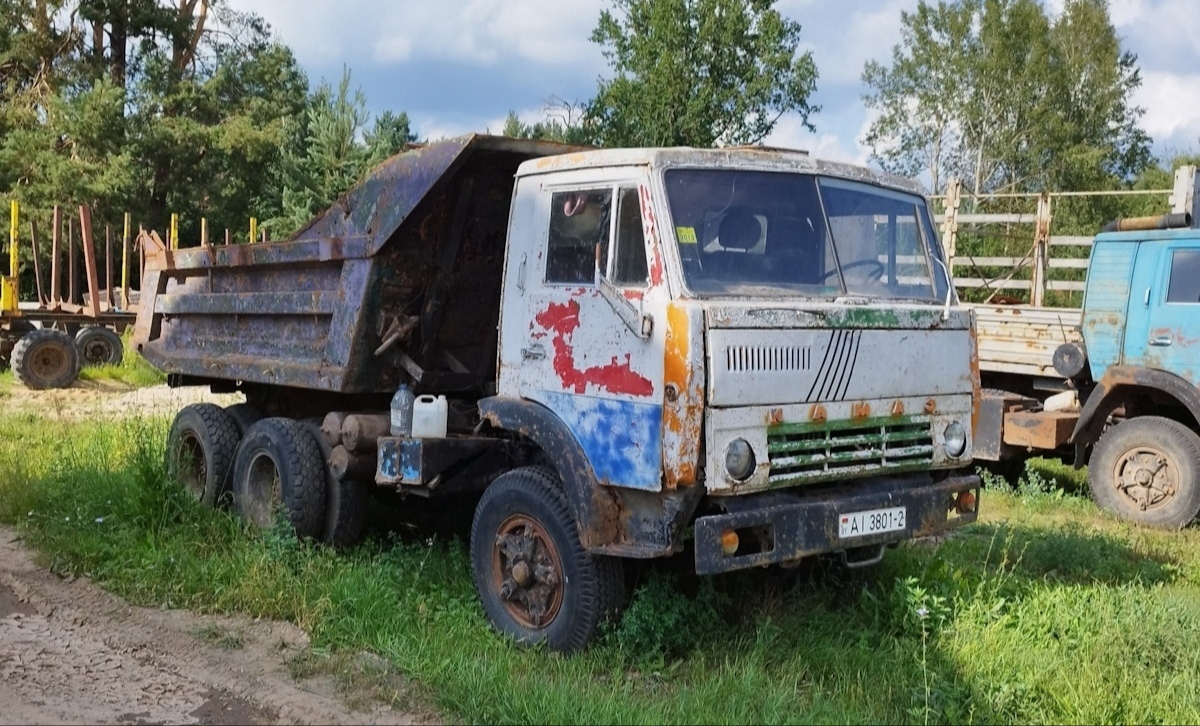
{"x":410,"y":461}
{"x":621,"y":439}
{"x":388,"y":458}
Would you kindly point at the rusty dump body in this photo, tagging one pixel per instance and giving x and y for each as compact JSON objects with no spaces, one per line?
{"x":412,"y":256}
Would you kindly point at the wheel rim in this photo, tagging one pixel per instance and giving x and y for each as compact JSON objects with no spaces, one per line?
{"x":1147,"y":477}
{"x":191,"y":468}
{"x":97,"y":351}
{"x":527,"y":572}
{"x":49,"y":362}
{"x":264,"y":490}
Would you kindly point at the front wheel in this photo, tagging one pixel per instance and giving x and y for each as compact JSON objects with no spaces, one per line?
{"x":1146,"y":470}
{"x":534,"y":579}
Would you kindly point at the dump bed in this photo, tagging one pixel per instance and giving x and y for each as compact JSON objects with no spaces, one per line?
{"x":403,"y":272}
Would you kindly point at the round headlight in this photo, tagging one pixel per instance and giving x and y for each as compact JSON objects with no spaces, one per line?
{"x":956,"y":440}
{"x":739,"y":459}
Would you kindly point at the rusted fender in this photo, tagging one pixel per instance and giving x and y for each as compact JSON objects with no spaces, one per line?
{"x":1117,"y":380}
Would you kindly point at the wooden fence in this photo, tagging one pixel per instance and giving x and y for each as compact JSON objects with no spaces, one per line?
{"x":1040,"y":258}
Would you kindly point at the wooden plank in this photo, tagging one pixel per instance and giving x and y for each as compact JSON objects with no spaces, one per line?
{"x":993,"y":284}
{"x":1066,"y":285}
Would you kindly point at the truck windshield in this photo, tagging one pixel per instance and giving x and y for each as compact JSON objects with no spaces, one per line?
{"x":753,"y":233}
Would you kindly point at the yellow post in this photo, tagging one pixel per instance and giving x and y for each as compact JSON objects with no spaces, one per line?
{"x":125,"y":265}
{"x":204,"y":232}
{"x":253,"y":230}
{"x":8,"y":285}
{"x":174,"y":231}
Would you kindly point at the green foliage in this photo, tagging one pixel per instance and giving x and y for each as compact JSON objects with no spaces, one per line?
{"x":562,"y":121}
{"x":1037,"y":614}
{"x":663,"y":623}
{"x":329,"y":152}
{"x":133,"y":370}
{"x":154,"y":108}
{"x":1001,"y":95}
{"x":698,"y":73}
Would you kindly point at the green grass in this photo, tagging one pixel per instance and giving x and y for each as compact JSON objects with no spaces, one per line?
{"x":1044,"y":612}
{"x":133,"y":370}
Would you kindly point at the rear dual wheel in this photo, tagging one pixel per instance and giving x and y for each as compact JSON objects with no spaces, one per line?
{"x":279,"y":469}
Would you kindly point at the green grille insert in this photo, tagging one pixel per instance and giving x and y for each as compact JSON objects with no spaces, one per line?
{"x":822,"y":451}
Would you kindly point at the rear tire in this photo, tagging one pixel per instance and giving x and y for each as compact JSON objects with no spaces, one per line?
{"x":534,"y":579}
{"x":345,"y":501}
{"x":99,"y":346}
{"x":245,"y":415}
{"x":200,"y":451}
{"x":1147,"y":470}
{"x":278,"y":464}
{"x":45,"y":359}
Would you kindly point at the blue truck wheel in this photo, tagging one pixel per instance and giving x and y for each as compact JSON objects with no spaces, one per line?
{"x":1145,"y":470}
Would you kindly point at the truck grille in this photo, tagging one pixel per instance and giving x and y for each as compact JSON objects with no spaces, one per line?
{"x":754,"y":358}
{"x":818,"y":452}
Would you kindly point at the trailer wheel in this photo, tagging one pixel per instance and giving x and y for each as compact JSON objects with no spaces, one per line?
{"x":99,"y":346}
{"x":345,"y":501}
{"x":278,"y":465}
{"x":534,"y":579}
{"x":1147,"y":470}
{"x":46,"y":359}
{"x":200,"y":451}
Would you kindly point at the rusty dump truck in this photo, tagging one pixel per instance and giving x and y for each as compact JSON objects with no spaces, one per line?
{"x":748,"y":353}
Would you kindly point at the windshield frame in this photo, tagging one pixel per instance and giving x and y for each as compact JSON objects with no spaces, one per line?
{"x":774,"y":292}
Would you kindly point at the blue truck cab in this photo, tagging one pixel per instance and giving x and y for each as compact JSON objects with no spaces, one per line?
{"x":1138,"y":372}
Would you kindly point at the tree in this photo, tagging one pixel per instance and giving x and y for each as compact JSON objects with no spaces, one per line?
{"x":326,"y":156}
{"x":999,"y":93}
{"x":562,"y":121}
{"x":698,"y":73}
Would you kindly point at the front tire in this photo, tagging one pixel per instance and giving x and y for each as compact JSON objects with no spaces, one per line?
{"x":1147,"y":470}
{"x":278,"y":464}
{"x":534,"y":579}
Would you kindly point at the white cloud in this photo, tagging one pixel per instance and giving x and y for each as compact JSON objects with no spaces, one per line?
{"x":790,"y":133}
{"x":1170,"y":112}
{"x":481,"y":32}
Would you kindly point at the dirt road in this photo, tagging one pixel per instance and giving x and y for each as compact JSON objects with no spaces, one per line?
{"x":72,"y":653}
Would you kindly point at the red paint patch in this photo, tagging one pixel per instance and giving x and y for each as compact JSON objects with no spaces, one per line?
{"x":650,"y":227}
{"x":614,"y":377}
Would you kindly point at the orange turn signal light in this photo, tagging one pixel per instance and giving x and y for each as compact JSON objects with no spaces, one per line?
{"x":729,"y":542}
{"x":964,"y":502}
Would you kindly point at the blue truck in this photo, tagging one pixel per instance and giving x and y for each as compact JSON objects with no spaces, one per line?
{"x":1125,"y":387}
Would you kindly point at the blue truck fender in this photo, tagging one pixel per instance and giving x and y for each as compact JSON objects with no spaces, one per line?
{"x":1119,"y":379}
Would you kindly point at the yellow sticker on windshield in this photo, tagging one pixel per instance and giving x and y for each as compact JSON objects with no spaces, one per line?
{"x":686,"y":235}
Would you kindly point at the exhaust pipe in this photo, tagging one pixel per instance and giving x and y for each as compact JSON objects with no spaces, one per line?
{"x":1174,"y":220}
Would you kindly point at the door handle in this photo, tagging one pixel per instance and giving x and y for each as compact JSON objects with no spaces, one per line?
{"x":533,"y":352}
{"x":1162,"y":341}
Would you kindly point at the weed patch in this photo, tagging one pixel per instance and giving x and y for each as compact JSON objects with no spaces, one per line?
{"x":1044,"y":611}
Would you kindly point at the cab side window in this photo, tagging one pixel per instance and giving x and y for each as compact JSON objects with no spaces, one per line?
{"x":629,"y":267}
{"x":579,"y":220}
{"x":1184,"y":285}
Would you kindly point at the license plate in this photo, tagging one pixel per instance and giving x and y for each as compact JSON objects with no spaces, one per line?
{"x":873,"y":521}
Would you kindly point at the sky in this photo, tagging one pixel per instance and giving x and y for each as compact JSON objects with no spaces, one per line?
{"x":459,"y":66}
